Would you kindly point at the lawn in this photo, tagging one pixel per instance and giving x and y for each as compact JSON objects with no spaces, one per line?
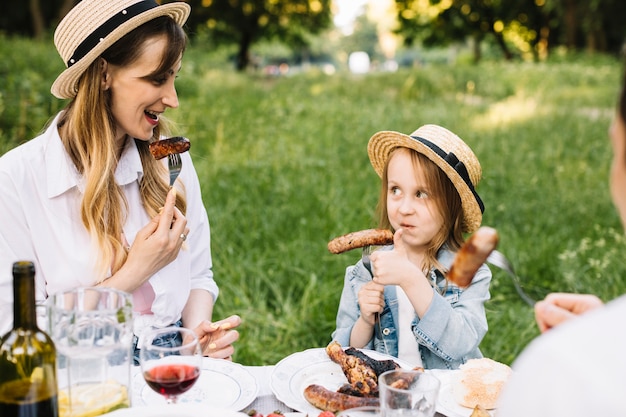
{"x":284,"y":169}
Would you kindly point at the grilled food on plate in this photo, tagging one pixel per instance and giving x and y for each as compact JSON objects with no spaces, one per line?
{"x":361,"y":388}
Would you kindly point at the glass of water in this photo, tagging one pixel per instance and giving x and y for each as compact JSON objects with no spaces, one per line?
{"x":408,"y":393}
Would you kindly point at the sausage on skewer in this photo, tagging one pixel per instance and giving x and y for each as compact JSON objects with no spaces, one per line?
{"x":360,"y":239}
{"x":472,"y":255}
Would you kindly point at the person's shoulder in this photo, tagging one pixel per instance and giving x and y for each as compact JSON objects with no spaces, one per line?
{"x":595,"y":321}
{"x":583,"y":334}
{"x":23,"y":154}
{"x":445,"y":255}
{"x":31,"y":148}
{"x":618,"y":304}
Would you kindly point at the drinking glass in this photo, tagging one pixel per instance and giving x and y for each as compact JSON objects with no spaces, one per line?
{"x":408,"y":393}
{"x":170,"y":359}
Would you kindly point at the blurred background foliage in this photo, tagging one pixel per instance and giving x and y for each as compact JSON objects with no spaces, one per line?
{"x":515,"y":29}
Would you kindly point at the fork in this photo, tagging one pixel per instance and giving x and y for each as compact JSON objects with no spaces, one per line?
{"x":365,"y":258}
{"x":174,"y":165}
{"x":498,"y":259}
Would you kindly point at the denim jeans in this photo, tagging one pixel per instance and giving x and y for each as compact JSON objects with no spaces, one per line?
{"x":173,"y":339}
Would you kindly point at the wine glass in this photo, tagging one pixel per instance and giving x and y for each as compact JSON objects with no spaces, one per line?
{"x":170,"y":359}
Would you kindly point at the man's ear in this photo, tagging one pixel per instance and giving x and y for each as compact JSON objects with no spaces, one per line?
{"x":106,"y":77}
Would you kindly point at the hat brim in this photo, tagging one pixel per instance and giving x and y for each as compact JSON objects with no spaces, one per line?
{"x":383,"y":143}
{"x":66,"y":84}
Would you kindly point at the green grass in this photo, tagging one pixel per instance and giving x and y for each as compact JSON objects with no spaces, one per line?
{"x":284,"y":169}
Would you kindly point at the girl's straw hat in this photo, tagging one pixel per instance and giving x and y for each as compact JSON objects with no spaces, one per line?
{"x":94,"y":25}
{"x":446,"y":150}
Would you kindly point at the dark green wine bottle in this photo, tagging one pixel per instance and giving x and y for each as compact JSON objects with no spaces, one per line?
{"x":28,"y":385}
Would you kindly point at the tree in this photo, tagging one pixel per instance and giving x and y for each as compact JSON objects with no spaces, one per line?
{"x":33,"y":18}
{"x":248,"y":21}
{"x":438,"y":22}
{"x":515,"y":25}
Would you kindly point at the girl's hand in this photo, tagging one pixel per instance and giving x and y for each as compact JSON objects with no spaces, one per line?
{"x":158,"y":243}
{"x":394,"y":267}
{"x":371,"y":301}
{"x":559,"y":307}
{"x":217,"y":338}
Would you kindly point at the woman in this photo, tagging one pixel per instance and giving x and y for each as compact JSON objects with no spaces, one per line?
{"x":88,"y":203}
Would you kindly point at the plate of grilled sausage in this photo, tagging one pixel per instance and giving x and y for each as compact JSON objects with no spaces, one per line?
{"x":331,"y":379}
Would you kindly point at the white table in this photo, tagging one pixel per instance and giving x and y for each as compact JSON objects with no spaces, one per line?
{"x":266,"y":402}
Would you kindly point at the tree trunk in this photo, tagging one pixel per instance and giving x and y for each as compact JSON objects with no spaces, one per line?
{"x":39,"y":27}
{"x":505,"y":50}
{"x":476,"y":48}
{"x":571,"y":23}
{"x":243,"y":56}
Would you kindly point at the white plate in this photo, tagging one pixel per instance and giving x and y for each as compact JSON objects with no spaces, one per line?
{"x":222,"y":384}
{"x":174,"y":410}
{"x":446,"y":404}
{"x":312,"y":366}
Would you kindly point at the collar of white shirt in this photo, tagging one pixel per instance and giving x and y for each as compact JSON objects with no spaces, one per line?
{"x":62,"y":175}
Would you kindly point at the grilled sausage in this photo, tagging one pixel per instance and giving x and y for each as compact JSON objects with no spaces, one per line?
{"x":328,"y":400}
{"x":369,"y":237}
{"x":177,"y":144}
{"x":472,"y":255}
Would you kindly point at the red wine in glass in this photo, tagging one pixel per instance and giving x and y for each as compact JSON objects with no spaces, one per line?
{"x":171,"y":359}
{"x":173,"y":379}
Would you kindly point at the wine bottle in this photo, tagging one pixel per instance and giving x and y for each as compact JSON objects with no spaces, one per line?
{"x":28,"y":385}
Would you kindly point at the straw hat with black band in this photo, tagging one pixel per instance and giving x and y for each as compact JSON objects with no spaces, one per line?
{"x":94,"y":25}
{"x":446,"y":150}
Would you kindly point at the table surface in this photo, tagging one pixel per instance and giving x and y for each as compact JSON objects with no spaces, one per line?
{"x":266,"y":402}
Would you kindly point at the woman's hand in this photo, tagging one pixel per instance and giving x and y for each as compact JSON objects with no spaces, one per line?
{"x":217,"y":338}
{"x":155,"y":246}
{"x":559,"y":307}
{"x":371,"y":301}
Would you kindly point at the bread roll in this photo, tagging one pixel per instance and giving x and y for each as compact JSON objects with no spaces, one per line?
{"x":479,"y":382}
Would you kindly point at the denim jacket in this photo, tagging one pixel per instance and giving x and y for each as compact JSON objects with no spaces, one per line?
{"x":449,"y":333}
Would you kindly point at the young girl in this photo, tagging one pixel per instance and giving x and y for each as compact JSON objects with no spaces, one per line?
{"x":409,"y":309}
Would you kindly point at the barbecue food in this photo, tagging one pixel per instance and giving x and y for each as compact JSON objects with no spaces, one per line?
{"x":378,"y":366}
{"x":479,"y":382}
{"x":472,"y":255}
{"x":362,"y":374}
{"x":328,"y":400}
{"x":359,"y":374}
{"x":177,"y":144}
{"x":362,"y":238}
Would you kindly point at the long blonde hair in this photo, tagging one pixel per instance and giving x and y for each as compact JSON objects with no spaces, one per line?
{"x":87,"y":130}
{"x":446,"y":199}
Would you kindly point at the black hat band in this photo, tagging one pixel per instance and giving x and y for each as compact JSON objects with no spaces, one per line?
{"x":452,"y":160}
{"x":109,"y":26}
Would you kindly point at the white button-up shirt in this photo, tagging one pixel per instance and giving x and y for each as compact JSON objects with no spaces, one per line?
{"x":40,"y":197}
